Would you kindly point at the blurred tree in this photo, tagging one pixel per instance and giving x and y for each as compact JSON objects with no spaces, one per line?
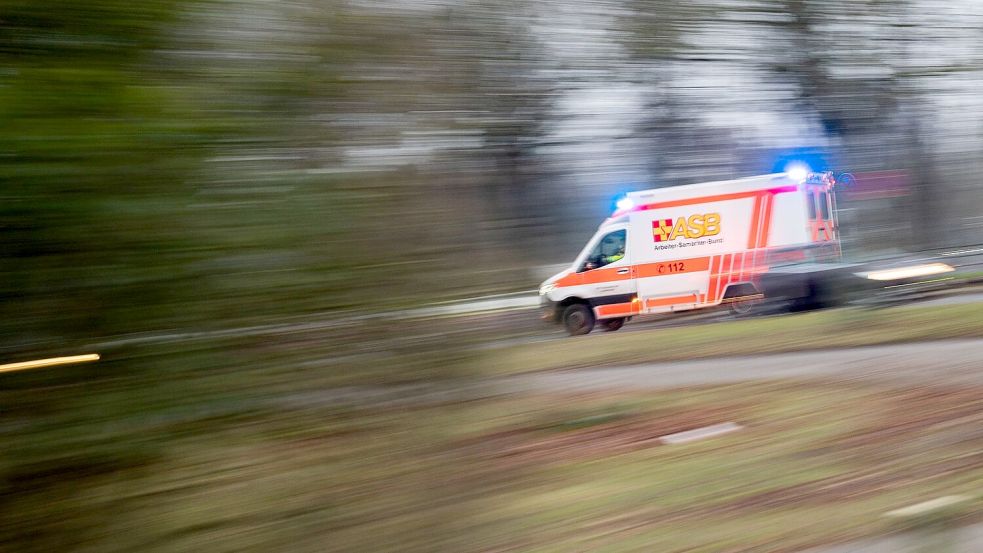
{"x":498,"y":76}
{"x":664,"y":38}
{"x":863,"y":80}
{"x":207,"y":163}
{"x":96,"y":159}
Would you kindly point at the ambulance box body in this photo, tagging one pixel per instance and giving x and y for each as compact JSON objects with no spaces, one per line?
{"x":690,"y":247}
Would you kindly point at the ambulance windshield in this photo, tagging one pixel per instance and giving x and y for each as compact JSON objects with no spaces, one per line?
{"x":609,"y":249}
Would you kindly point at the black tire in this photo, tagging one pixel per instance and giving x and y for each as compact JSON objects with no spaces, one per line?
{"x":578,"y":319}
{"x":739,"y":299}
{"x":610,"y":325}
{"x":741,"y":308}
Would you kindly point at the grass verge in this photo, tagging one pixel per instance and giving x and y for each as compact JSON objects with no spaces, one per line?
{"x":816,"y":463}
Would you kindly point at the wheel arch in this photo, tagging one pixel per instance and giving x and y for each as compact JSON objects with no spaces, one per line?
{"x":741,"y":290}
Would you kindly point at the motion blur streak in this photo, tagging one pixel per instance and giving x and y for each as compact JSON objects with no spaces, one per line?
{"x":302,"y":236}
{"x":910,"y":272}
{"x":49,"y":362}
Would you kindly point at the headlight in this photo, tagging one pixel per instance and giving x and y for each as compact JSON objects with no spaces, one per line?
{"x":546,"y":289}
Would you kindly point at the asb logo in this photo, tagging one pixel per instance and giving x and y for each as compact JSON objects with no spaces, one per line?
{"x":696,"y":226}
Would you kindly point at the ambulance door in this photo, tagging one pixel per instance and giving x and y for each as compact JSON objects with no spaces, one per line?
{"x":821,"y":214}
{"x":605,"y":272}
{"x":672,"y":272}
{"x":822,"y":220}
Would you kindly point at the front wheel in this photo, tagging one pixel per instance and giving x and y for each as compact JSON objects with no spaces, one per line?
{"x":578,"y":319}
{"x":611,"y":325}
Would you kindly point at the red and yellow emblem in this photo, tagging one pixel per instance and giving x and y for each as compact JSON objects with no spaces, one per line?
{"x":696,"y":226}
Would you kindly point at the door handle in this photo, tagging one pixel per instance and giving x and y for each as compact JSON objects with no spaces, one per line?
{"x":623,"y":271}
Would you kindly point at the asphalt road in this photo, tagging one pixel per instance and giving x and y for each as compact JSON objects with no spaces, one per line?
{"x":951,"y":362}
{"x":962,"y":540}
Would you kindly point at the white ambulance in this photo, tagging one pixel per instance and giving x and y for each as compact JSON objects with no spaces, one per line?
{"x":695,"y":246}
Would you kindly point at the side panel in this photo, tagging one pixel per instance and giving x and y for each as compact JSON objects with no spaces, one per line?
{"x":697,"y":230}
{"x":678,"y":250}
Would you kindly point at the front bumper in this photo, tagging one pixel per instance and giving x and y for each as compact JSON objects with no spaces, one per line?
{"x":549,"y":309}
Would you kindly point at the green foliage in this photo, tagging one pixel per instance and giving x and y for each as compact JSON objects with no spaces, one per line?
{"x":95,"y":165}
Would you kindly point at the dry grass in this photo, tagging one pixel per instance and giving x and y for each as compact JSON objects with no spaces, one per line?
{"x":816,"y":463}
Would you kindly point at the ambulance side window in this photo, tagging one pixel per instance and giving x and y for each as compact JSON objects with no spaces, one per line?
{"x":812,"y":206}
{"x":824,"y":202}
{"x":609,"y":249}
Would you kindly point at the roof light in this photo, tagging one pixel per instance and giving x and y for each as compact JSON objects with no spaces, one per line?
{"x":797,"y":171}
{"x":624,"y":204}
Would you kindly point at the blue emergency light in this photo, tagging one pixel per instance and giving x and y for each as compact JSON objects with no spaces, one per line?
{"x":624,"y":204}
{"x":798,"y":171}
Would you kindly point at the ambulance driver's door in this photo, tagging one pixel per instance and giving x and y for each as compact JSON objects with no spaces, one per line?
{"x":606,"y":271}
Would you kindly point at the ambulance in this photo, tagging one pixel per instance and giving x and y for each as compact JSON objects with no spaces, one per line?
{"x":696,"y":246}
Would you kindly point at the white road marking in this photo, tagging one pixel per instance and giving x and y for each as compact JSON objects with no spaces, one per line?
{"x":700,"y":433}
{"x":927,"y":506}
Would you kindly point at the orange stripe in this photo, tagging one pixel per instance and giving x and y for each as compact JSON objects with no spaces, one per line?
{"x":712,"y":285}
{"x":725,"y":276}
{"x":664,"y":302}
{"x":722,"y":275}
{"x":618,"y":309}
{"x":752,"y":239}
{"x":763,"y":239}
{"x":726,"y":273}
{"x":672,"y":267}
{"x":595,"y":277}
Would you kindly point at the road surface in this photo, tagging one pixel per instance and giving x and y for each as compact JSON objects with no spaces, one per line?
{"x":967,"y":539}
{"x":955,"y":362}
{"x":950,"y":362}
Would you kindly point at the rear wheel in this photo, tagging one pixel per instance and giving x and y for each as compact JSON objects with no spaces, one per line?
{"x":611,"y":325}
{"x":741,"y":298}
{"x":741,"y":308}
{"x":578,"y":319}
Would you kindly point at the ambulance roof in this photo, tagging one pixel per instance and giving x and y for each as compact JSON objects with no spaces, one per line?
{"x":697,"y":190}
{"x":710,"y":188}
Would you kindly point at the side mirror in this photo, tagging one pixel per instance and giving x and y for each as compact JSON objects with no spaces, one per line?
{"x":590,"y":266}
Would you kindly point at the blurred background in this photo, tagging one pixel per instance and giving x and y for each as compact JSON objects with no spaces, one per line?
{"x":236,"y":202}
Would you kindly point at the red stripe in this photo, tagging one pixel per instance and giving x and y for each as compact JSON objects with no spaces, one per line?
{"x":728,"y":262}
{"x":626,"y":309}
{"x":596,"y":276}
{"x":752,"y":239}
{"x":675,"y":267}
{"x":766,"y":224}
{"x":708,"y":199}
{"x":712,"y":285}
